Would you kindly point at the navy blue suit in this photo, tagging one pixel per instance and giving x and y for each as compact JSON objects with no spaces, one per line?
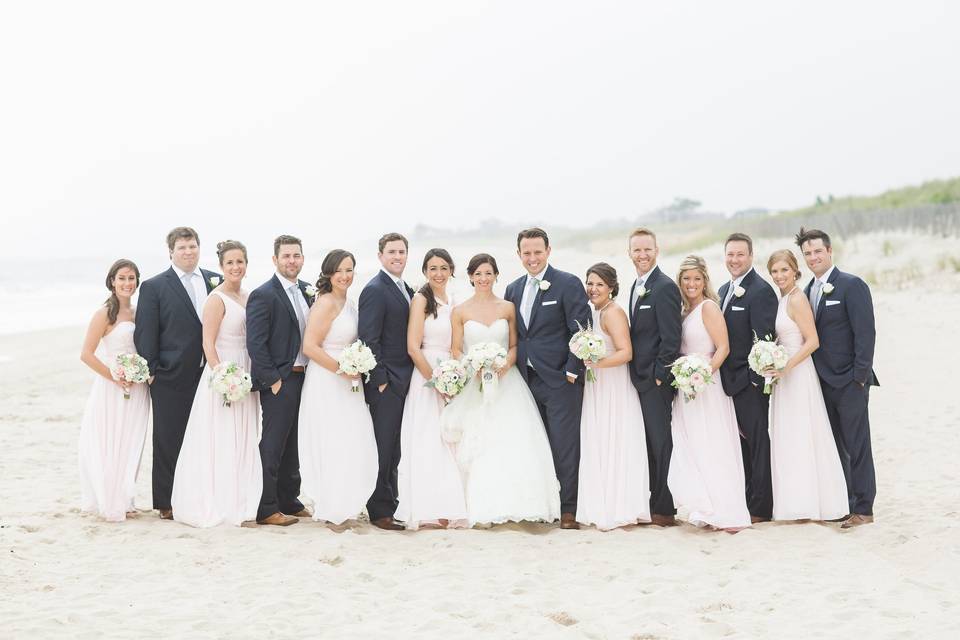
{"x":752,"y":315}
{"x":545,"y":345}
{"x":169,"y":335}
{"x":382,"y":326}
{"x":844,"y":362}
{"x":655,"y":325}
{"x":274,"y":342}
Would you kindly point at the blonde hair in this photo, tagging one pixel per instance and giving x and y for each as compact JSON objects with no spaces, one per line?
{"x":784,"y":255}
{"x":690,"y":263}
{"x":643,"y":231}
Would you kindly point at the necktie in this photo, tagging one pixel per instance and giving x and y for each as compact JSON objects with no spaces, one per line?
{"x":636,"y":295}
{"x":815,"y":295}
{"x":726,"y":299}
{"x":187,"y":280}
{"x":403,"y":291}
{"x":294,"y":292}
{"x":532,"y":284}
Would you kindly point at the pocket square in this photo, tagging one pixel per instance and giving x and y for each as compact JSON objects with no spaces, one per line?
{"x":830,"y":303}
{"x":736,"y":308}
{"x":549,"y":302}
{"x":643,"y":306}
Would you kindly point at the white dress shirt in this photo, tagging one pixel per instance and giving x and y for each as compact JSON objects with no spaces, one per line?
{"x":733,"y":285}
{"x":399,"y":282}
{"x":296,"y":298}
{"x":641,"y":282}
{"x":199,"y":286}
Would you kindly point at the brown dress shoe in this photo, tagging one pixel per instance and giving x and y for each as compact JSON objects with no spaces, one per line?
{"x":856,"y":520}
{"x":303,"y":513}
{"x":166,"y":514}
{"x":756,"y":519}
{"x":568,"y":521}
{"x":279,"y":520}
{"x":663,"y":521}
{"x":387,"y":524}
{"x":840,"y":519}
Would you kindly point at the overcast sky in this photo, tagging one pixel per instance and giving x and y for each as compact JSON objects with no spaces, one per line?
{"x":120,"y":120}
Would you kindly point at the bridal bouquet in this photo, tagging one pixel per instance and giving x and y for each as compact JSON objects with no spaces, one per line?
{"x":691,"y":375}
{"x":230,"y":382}
{"x":449,"y":377}
{"x":131,"y":368}
{"x":485,"y":359}
{"x":765,"y":355}
{"x":587,"y":345}
{"x":357,"y":359}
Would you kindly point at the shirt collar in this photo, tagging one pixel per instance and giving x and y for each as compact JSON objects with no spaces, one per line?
{"x":180,"y":272}
{"x":826,"y":276}
{"x":286,"y":283}
{"x":644,"y":277}
{"x":540,"y":275}
{"x":391,"y":276}
{"x":737,"y":281}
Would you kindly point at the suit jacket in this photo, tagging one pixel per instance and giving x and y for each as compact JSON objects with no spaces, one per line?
{"x":168,"y":332}
{"x":383,"y":327}
{"x":753,"y":315}
{"x":553,"y":321}
{"x":655,"y":331}
{"x":273,"y":333}
{"x":845,"y":325}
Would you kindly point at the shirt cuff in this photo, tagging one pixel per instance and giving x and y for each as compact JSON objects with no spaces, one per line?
{"x":572,"y":375}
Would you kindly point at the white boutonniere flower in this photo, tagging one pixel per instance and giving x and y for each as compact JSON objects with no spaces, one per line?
{"x":310,"y":290}
{"x":739,"y":291}
{"x":642,"y":292}
{"x":827,"y":289}
{"x":544,"y":285}
{"x":215,"y":281}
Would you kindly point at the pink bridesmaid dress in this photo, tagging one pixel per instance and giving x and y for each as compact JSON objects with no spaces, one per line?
{"x":614,"y":481}
{"x":808,"y":481}
{"x":112,"y":433}
{"x":706,"y":469}
{"x":428,"y":477}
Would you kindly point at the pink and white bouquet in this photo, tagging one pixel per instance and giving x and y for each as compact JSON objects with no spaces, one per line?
{"x":764,"y":356}
{"x":131,"y":368}
{"x":449,"y":377}
{"x":485,"y":359}
{"x":230,"y":381}
{"x":691,"y":375}
{"x":587,"y":345}
{"x":357,"y":359}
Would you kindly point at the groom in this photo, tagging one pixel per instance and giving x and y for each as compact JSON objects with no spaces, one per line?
{"x":169,"y":336}
{"x":551,"y":303}
{"x":843,"y":313}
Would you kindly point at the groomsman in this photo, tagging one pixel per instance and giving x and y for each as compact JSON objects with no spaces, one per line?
{"x":384,"y":309}
{"x":551,"y":303}
{"x":277,"y":314}
{"x":843,"y":312}
{"x":750,"y":309}
{"x":655,"y":333}
{"x":169,"y":336}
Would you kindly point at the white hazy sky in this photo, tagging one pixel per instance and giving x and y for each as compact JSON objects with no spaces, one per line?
{"x":119,"y":120}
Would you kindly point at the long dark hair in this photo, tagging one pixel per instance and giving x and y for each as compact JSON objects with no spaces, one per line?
{"x":426,"y":291}
{"x":329,"y":267}
{"x":113,"y":302}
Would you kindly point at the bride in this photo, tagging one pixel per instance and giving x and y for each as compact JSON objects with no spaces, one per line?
{"x":501,"y":444}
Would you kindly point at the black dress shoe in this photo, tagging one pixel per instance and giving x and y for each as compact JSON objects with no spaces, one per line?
{"x":387,"y":524}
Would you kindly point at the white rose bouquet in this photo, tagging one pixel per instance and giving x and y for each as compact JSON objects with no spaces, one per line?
{"x":691,"y":375}
{"x":485,"y":359}
{"x":449,"y":377}
{"x":230,"y":381}
{"x":131,"y":368}
{"x":357,"y":359}
{"x":587,"y":345}
{"x":764,"y":356}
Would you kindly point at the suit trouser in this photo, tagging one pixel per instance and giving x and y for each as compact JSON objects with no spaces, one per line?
{"x":849,"y":415}
{"x":752,"y":407}
{"x":171,"y":412}
{"x":278,"y":448}
{"x":657,"y":407}
{"x":560,"y":410}
{"x":387,"y":414}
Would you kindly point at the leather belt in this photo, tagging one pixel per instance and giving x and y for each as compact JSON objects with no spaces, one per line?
{"x":298,"y":369}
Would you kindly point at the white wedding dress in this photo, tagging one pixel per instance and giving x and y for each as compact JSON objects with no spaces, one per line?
{"x":501,"y":445}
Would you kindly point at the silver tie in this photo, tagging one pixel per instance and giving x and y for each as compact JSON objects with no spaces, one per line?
{"x":815,"y":295}
{"x":294,"y":292}
{"x":532,"y":284}
{"x":403,"y":291}
{"x":187,"y":280}
{"x":726,"y":299}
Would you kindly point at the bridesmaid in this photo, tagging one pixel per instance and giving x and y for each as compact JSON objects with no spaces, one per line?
{"x":431,"y":493}
{"x":808,"y":481}
{"x":113,"y":429}
{"x":219,"y":478}
{"x":338,"y":452}
{"x":614,"y":479}
{"x":706,"y":468}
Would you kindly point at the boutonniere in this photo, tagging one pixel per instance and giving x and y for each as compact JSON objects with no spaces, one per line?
{"x":310,"y":290}
{"x":215,"y":281}
{"x":827,"y":289}
{"x":739,"y":291}
{"x":642,"y":292}
{"x":544,"y":285}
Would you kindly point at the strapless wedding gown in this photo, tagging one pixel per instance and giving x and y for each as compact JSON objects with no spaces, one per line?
{"x":501,"y":444}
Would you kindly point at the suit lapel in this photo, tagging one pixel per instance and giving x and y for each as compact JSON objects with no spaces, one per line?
{"x":723,"y":296}
{"x":285,"y":300}
{"x":634,"y":307}
{"x":178,"y":289}
{"x":303,"y":291}
{"x":547,"y":277}
{"x":822,"y":302}
{"x":392,"y":285}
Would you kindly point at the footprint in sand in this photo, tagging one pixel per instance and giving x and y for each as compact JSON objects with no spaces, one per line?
{"x":335,"y":561}
{"x":29,"y":528}
{"x":563,"y":618}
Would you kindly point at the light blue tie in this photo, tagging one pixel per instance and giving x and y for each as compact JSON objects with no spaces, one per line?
{"x":187,"y":280}
{"x":532,"y":284}
{"x":815,"y":295}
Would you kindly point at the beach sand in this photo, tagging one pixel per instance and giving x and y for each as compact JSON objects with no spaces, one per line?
{"x":64,"y":574}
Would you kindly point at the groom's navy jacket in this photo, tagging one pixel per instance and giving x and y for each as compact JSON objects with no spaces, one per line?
{"x":382,"y":326}
{"x":553,"y":321}
{"x":654,"y":331}
{"x":754,"y":314}
{"x":845,"y":325}
{"x":168,"y":333}
{"x":273,"y":333}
